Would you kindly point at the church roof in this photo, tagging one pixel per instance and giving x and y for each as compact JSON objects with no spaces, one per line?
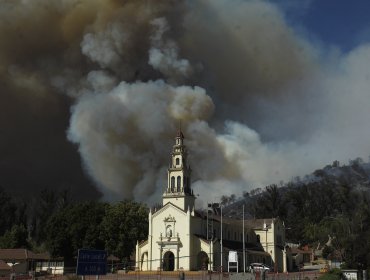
{"x":237,"y":245}
{"x":248,"y":223}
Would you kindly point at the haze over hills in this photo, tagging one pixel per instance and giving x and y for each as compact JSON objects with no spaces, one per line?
{"x":355,"y":175}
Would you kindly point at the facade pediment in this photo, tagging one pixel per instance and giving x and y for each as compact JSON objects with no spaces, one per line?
{"x":167,"y":207}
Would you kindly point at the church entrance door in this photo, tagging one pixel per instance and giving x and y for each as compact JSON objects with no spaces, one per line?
{"x":168,"y":261}
{"x":203,"y":261}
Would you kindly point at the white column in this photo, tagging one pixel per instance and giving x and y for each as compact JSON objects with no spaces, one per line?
{"x":137,"y":265}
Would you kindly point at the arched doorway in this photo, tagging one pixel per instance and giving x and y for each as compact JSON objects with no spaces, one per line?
{"x":168,"y":261}
{"x":202,"y":261}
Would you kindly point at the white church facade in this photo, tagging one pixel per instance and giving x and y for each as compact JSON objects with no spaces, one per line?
{"x":183,"y":238}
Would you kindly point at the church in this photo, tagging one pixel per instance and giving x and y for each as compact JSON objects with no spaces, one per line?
{"x":181,"y":237}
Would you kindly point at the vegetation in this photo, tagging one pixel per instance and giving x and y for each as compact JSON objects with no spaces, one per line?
{"x":329,"y":209}
{"x":62,"y":227}
{"x":333,"y":274}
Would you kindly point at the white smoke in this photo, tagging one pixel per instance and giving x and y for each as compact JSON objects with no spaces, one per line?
{"x":258,"y":102}
{"x":163,"y":55}
{"x":120,"y":133}
{"x":268,"y":59}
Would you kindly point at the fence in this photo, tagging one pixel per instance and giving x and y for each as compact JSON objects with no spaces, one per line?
{"x":134,"y":275}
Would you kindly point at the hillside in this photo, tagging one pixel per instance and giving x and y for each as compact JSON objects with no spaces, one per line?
{"x":332,"y":203}
{"x":355,"y":176}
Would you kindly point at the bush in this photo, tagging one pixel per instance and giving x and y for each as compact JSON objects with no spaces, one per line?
{"x":333,"y":274}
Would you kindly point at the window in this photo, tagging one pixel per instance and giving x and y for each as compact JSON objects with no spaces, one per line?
{"x":178,"y":183}
{"x":172,"y":183}
{"x":177,"y":161}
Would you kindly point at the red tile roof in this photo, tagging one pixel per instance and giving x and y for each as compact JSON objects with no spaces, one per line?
{"x":21,"y":254}
{"x":15,"y":254}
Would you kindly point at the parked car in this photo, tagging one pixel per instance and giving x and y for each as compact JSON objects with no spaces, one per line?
{"x":254,"y":267}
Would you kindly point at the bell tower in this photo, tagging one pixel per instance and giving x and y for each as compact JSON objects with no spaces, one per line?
{"x":178,"y":190}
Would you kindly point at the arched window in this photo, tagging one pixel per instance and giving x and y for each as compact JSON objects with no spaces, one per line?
{"x":177,"y":161}
{"x":172,"y":183}
{"x":178,"y":183}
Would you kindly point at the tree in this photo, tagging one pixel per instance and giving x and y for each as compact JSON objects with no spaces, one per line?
{"x":7,"y":210}
{"x":224,"y":200}
{"x":45,"y":206}
{"x":125,"y":223}
{"x":15,"y":238}
{"x":270,"y":203}
{"x":48,"y":203}
{"x":74,"y":227}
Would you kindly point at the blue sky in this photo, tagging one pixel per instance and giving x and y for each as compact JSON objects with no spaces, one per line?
{"x":341,"y":23}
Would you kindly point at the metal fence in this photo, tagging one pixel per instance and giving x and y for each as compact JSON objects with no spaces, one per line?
{"x":176,"y":275}
{"x":133,"y":275}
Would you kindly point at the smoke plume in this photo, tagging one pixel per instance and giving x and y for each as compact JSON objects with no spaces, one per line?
{"x":258,"y":102}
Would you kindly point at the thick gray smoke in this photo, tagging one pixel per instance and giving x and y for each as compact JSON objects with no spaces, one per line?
{"x":258,"y":102}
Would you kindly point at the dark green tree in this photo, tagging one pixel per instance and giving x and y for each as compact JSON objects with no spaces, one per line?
{"x":15,"y":238}
{"x":48,"y":203}
{"x":74,"y":227}
{"x":7,"y":210}
{"x":125,"y":223}
{"x":270,"y":204}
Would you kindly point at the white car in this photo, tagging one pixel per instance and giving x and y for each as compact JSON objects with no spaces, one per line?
{"x":254,"y":267}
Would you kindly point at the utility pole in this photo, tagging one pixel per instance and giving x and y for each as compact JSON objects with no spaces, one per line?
{"x":243,"y":243}
{"x":221,"y":239}
{"x":210,"y":233}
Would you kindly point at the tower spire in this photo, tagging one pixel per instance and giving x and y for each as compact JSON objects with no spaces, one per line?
{"x":178,"y":189}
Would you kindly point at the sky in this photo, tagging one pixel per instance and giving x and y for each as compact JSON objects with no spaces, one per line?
{"x":336,"y":23}
{"x":92,"y":93}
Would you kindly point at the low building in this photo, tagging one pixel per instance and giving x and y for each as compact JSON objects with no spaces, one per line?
{"x":302,"y":256}
{"x":44,"y":264}
{"x":5,"y":269}
{"x":20,"y":260}
{"x":183,"y":238}
{"x":23,"y":261}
